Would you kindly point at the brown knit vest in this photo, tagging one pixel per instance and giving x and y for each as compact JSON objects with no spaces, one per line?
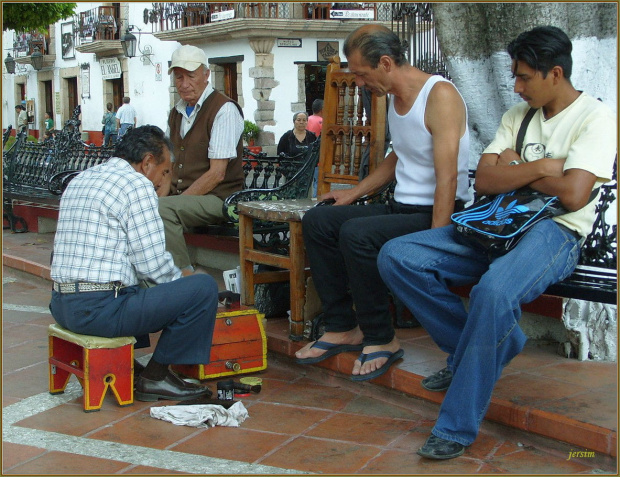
{"x":191,"y":152}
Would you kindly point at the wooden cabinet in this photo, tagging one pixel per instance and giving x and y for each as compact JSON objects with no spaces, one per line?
{"x":239,"y":346}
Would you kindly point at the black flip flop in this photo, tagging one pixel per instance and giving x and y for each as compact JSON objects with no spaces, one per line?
{"x":331,"y":350}
{"x":377,"y":372}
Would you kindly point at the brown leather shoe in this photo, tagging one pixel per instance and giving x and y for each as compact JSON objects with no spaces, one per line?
{"x":171,"y":387}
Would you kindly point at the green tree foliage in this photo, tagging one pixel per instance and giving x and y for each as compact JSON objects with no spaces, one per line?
{"x":34,"y":16}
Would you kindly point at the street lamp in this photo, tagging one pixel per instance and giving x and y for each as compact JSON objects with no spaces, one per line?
{"x":9,"y":62}
{"x":129,"y":44}
{"x":36,"y":59}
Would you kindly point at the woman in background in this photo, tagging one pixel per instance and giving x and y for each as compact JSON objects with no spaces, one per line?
{"x":109,"y":126}
{"x":298,"y":139}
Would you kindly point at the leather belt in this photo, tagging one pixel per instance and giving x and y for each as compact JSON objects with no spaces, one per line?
{"x":80,"y":287}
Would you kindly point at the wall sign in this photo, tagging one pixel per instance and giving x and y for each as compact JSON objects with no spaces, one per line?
{"x":110,"y":68}
{"x":85,"y":70}
{"x":357,"y":14}
{"x":326,"y":49}
{"x":288,"y":42}
{"x":225,"y":15}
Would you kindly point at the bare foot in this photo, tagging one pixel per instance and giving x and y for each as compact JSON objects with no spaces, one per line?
{"x":373,"y":364}
{"x":353,"y":337}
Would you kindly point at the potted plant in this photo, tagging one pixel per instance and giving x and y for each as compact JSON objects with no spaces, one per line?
{"x":250,"y":133}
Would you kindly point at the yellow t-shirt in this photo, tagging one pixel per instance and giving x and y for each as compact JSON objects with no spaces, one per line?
{"x":585,"y":134}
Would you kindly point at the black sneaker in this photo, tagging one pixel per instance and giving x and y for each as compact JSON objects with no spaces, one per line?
{"x":440,"y":449}
{"x":440,"y":381}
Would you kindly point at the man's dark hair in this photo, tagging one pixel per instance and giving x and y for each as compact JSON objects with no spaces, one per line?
{"x":374,"y":41}
{"x":542,"y":48}
{"x":20,"y":106}
{"x":137,"y":142}
{"x":126,"y":100}
{"x":317,"y":106}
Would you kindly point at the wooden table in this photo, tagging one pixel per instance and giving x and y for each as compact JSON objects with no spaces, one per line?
{"x":284,"y":211}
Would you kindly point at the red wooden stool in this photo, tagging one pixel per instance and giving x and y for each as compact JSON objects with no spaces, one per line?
{"x":97,"y":362}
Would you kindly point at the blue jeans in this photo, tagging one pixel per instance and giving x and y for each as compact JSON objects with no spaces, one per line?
{"x":419,"y":268}
{"x":109,"y":139}
{"x":123,"y":129}
{"x":183,"y":310}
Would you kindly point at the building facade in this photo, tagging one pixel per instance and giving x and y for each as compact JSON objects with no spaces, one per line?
{"x":270,"y":57}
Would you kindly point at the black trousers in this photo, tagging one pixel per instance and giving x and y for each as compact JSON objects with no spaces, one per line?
{"x":342,"y":245}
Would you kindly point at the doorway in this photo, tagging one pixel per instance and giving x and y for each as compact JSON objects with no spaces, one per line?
{"x":118,"y":92}
{"x":315,"y":83}
{"x":224,"y":75}
{"x":72,"y":91}
{"x":48,"y":97}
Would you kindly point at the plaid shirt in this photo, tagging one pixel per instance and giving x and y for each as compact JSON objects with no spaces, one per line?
{"x":109,"y":229}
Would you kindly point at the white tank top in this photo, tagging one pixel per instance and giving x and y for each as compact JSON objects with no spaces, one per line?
{"x":413,"y":145}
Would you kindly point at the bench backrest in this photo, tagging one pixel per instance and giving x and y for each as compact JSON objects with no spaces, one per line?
{"x":296,"y":186}
{"x":348,"y":131}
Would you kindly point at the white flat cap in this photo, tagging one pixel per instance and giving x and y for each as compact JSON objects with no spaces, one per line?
{"x":189,"y":58}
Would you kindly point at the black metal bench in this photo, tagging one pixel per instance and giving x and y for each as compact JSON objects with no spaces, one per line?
{"x":36,"y":174}
{"x":595,"y":278}
{"x":268,"y":178}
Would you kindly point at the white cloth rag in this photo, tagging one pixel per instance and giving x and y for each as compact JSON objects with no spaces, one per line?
{"x":202,"y":415}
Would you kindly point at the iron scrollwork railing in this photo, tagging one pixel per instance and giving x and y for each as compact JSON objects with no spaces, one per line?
{"x":172,"y":16}
{"x":413,"y":23}
{"x":600,"y":250}
{"x":100,"y":23}
{"x":24,"y":43}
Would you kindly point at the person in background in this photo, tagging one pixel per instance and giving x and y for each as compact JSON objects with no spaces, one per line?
{"x":205,"y":127}
{"x":315,"y":125}
{"x":126,"y":117}
{"x":570,"y":151}
{"x":297,"y":140}
{"x":109,"y":238}
{"x":22,"y":118}
{"x":315,"y":121}
{"x":429,"y":160}
{"x":109,"y":126}
{"x":49,"y":122}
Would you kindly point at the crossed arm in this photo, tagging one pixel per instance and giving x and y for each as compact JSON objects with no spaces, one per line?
{"x":495,"y":175}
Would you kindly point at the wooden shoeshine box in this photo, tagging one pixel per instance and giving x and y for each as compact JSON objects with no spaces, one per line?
{"x":239,"y":346}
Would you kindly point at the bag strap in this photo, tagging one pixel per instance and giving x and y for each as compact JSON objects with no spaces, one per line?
{"x":523,"y":128}
{"x":521,"y":135}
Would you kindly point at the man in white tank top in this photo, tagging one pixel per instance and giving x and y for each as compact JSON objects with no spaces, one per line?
{"x":430,"y":138}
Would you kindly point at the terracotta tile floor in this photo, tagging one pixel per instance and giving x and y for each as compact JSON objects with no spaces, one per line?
{"x":306,"y":418}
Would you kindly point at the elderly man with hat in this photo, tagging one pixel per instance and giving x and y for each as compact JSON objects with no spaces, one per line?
{"x":205,"y":128}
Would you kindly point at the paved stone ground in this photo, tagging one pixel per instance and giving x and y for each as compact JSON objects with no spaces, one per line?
{"x":305,"y":420}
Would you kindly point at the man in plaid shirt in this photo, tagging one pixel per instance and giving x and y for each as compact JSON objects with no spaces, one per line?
{"x":110,"y":238}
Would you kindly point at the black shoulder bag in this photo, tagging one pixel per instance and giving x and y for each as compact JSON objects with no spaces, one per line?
{"x":496,"y":223}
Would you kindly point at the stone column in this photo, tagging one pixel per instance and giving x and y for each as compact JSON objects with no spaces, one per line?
{"x":264,"y":82}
